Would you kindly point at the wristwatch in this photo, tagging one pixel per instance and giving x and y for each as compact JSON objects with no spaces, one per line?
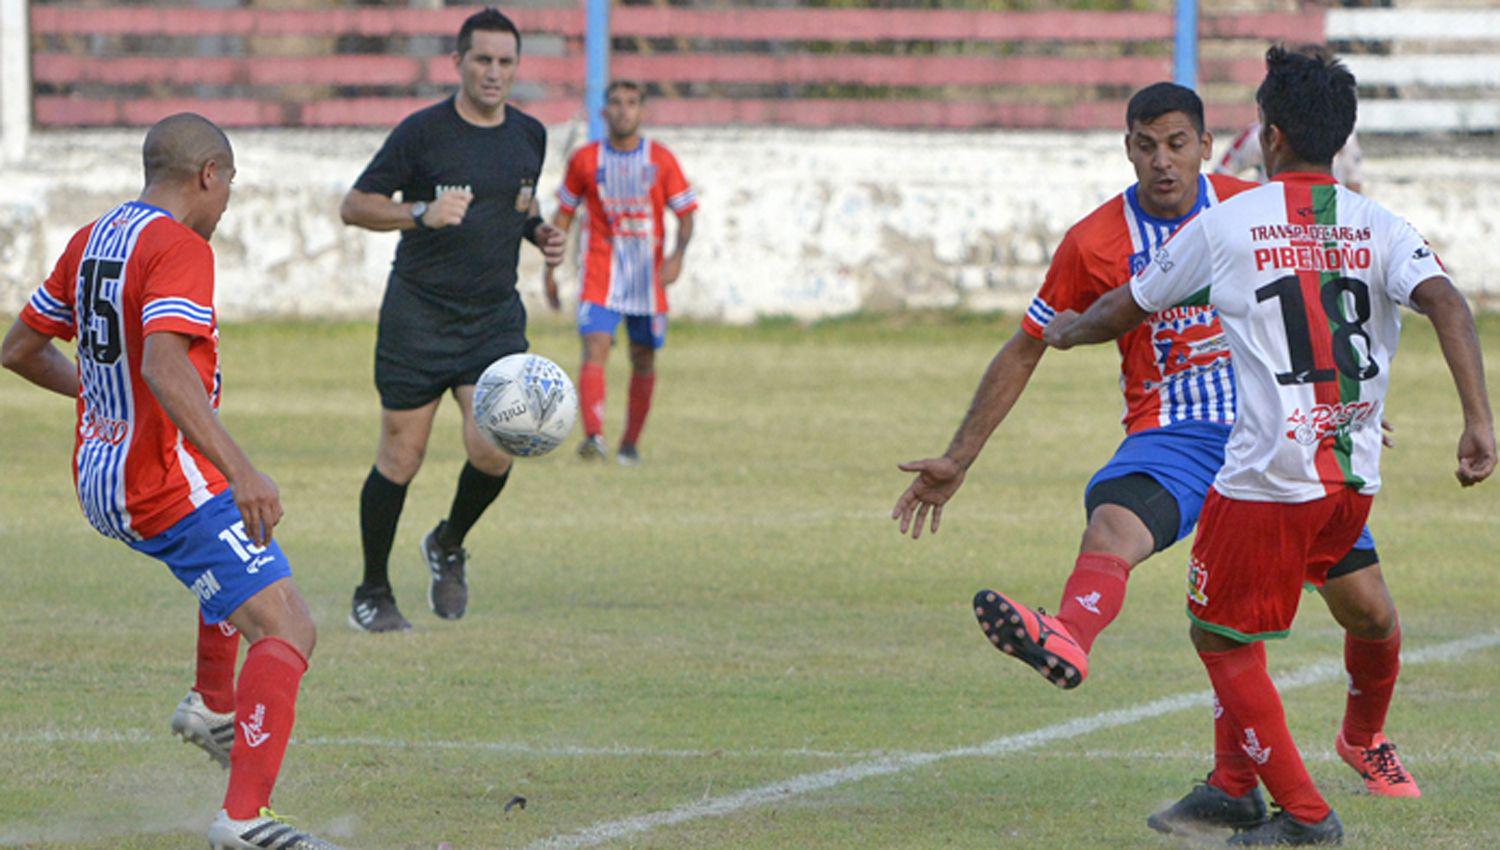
{"x":418,"y":210}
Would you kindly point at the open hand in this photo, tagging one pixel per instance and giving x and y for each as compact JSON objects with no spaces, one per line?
{"x":937,"y":480}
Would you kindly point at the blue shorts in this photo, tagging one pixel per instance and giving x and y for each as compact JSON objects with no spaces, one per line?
{"x":1183,"y":458}
{"x":650,"y":331}
{"x":212,"y":556}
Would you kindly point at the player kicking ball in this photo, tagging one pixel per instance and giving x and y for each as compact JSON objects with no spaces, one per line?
{"x":155,"y":469}
{"x":625,"y":185}
{"x":1180,"y":399}
{"x":1307,"y":278}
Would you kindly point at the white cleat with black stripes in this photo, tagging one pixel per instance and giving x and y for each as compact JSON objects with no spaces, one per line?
{"x":213,"y":732}
{"x":267,"y":832}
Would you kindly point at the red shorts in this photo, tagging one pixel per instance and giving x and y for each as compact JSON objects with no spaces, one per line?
{"x":1251,"y":559}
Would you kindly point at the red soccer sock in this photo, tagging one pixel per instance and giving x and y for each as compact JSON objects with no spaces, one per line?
{"x":591,"y":398}
{"x":1234,"y":772}
{"x":266,"y":708}
{"x":218,"y":649}
{"x":1373,"y":666}
{"x":1244,"y":686}
{"x":1093,"y":595}
{"x":641,"y":387}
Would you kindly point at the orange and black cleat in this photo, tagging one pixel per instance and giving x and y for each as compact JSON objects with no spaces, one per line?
{"x":1378,"y":765}
{"x":1035,"y":637}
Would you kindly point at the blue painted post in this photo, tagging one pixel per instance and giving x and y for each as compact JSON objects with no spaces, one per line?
{"x":596,"y":53}
{"x":1185,"y":50}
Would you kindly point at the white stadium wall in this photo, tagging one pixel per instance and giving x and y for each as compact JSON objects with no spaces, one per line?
{"x":792,"y":223}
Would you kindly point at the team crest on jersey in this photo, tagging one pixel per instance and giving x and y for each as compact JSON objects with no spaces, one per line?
{"x":1139,"y":261}
{"x":526,"y":194}
{"x":1329,"y":420}
{"x":1197,"y":581}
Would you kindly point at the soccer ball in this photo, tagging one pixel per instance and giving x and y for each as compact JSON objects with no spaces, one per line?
{"x":525,"y":404}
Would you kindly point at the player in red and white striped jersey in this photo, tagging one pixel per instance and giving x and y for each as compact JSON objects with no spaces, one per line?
{"x":1307,"y":277}
{"x":155,"y":468}
{"x":625,"y":185}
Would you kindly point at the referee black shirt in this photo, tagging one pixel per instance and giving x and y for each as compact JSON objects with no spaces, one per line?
{"x":471,"y":266}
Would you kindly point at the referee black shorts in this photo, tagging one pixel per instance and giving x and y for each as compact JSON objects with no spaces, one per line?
{"x":424,"y":347}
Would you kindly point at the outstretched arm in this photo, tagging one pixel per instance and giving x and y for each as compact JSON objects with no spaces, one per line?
{"x":1445,"y":306}
{"x":178,"y":388}
{"x":1111,"y":317}
{"x":30,"y":353}
{"x":939,"y":478}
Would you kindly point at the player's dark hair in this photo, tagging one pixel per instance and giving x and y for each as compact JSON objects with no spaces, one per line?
{"x":489,"y":20}
{"x":1157,"y":99}
{"x":628,"y":85}
{"x":1311,"y":97}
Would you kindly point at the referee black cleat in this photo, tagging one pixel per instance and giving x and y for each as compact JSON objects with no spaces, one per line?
{"x":448,"y":594}
{"x":1283,"y":830}
{"x":1207,"y":807}
{"x":375,"y":610}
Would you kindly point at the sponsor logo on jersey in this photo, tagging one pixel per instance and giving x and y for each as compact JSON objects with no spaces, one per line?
{"x":96,"y":427}
{"x":1188,"y":344}
{"x":255,"y":735}
{"x":442,"y":189}
{"x":1325,"y":420}
{"x":1253,"y":749}
{"x":1197,"y":581}
{"x":1313,"y":258}
{"x":1309,"y":232}
{"x":1163,"y":260}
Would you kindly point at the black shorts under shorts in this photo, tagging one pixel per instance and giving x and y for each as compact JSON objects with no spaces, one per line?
{"x":424,"y":348}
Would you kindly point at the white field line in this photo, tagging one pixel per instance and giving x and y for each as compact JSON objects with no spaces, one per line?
{"x":808,"y":783}
{"x":141,"y":736}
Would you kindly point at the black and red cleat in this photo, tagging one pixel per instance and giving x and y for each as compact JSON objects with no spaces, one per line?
{"x":1034,"y":637}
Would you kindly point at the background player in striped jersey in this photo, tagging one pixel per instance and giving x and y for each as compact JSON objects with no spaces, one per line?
{"x":1180,"y":399}
{"x":1307,"y":278}
{"x":624,"y":185}
{"x":156,"y":470}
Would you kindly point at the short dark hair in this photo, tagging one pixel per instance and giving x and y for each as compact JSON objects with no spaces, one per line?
{"x":1311,"y":97}
{"x":1157,"y":99}
{"x":628,"y":85}
{"x":490,"y":20}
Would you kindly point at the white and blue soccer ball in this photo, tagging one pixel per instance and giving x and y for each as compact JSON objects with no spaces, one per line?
{"x":526,"y":404}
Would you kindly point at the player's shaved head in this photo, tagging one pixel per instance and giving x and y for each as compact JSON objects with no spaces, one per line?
{"x":178,"y":146}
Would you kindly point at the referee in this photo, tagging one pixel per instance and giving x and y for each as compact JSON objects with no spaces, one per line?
{"x":466,"y":169}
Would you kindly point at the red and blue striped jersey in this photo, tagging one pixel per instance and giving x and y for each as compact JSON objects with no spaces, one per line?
{"x":624,"y":194}
{"x":1175,"y":367}
{"x":133,"y":272}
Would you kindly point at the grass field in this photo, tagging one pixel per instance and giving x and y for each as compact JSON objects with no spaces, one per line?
{"x":729,"y":646}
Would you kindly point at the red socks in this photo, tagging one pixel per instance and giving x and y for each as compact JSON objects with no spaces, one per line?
{"x":1258,"y":724}
{"x":1093,"y":595}
{"x":266,"y":703}
{"x":218,"y":649}
{"x":591,"y":398}
{"x":1234,"y":772}
{"x":1372,"y":666}
{"x":641,"y":387}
